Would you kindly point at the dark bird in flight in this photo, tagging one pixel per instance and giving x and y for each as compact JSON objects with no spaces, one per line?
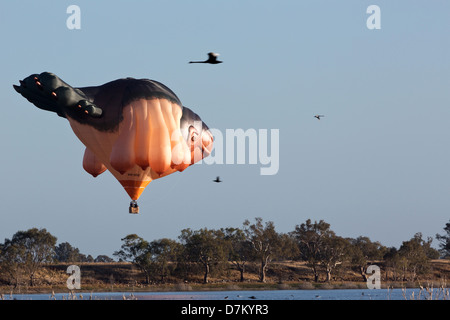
{"x":318,"y":116}
{"x":217,"y":180}
{"x":212,"y":59}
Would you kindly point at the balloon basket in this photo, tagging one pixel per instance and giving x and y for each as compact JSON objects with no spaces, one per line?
{"x":134,"y":208}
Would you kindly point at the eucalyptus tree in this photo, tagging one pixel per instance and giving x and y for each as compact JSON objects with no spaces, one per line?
{"x":136,"y":250}
{"x":266,"y":243}
{"x":363,"y":252}
{"x":205,"y":247}
{"x":311,"y":240}
{"x":27,"y":251}
{"x":164,"y":254}
{"x":240,"y":250}
{"x":417,"y":254}
{"x":444,"y":241}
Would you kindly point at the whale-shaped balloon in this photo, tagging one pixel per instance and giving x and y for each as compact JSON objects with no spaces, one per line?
{"x":135,"y":128}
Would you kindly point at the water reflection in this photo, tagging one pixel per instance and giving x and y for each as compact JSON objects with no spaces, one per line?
{"x":337,"y":294}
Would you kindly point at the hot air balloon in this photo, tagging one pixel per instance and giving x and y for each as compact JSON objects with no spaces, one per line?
{"x":137,"y":129}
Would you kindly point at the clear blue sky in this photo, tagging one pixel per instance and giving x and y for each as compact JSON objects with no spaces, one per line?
{"x":376,"y":165}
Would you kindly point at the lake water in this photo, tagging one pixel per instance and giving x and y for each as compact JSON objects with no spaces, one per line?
{"x":336,"y":294}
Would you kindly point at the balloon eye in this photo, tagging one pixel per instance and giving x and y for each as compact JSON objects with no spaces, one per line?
{"x":193,"y":133}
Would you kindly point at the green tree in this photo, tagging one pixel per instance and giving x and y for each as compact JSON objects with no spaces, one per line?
{"x":363,"y":252}
{"x":28,"y":250}
{"x":333,"y":253}
{"x":393,"y":262}
{"x":103,"y":258}
{"x":85,"y":258}
{"x":288,"y":247}
{"x":204,"y":246}
{"x":137,"y":250}
{"x":64,"y":252}
{"x":164,"y":251}
{"x":310,"y":238}
{"x":11,"y":262}
{"x":444,"y":240}
{"x":417,"y":254}
{"x":240,"y":249}
{"x":265,"y":242}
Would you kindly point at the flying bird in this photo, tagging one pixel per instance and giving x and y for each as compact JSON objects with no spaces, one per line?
{"x":318,"y":116}
{"x":217,"y":179}
{"x":212,"y":59}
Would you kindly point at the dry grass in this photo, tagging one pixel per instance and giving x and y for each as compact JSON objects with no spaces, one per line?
{"x":280,"y":275}
{"x":428,"y":292}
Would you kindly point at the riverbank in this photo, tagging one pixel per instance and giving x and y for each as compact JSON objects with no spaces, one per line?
{"x":285,"y":275}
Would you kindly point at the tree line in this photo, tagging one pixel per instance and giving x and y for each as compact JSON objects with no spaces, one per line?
{"x":206,"y":250}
